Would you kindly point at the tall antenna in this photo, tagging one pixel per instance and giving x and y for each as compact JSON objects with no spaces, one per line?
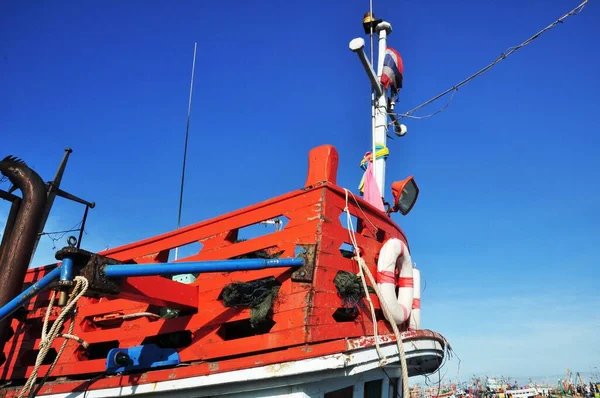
{"x":187,"y":131}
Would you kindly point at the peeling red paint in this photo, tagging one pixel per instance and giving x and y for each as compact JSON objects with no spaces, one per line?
{"x":304,"y":326}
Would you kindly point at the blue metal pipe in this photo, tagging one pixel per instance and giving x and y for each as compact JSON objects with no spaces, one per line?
{"x":28,"y":293}
{"x":126,"y":270}
{"x":66,"y":269}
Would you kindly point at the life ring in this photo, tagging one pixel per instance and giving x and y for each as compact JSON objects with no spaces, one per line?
{"x":415,"y":314}
{"x":394,"y":253}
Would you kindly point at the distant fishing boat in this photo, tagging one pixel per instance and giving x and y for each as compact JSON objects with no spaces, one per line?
{"x":523,"y":392}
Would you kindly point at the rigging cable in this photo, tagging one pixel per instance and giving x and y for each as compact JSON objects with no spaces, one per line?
{"x":501,"y":57}
{"x":187,"y":131}
{"x":74,"y":228}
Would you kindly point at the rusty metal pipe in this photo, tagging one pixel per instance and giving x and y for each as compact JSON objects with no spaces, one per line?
{"x":19,"y":245}
{"x":10,"y":223}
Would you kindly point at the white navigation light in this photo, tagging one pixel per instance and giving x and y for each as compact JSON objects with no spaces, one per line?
{"x":357,"y":44}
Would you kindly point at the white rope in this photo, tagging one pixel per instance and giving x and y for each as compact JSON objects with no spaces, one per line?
{"x":388,"y":316}
{"x":48,"y":336}
{"x":75,"y":338}
{"x":140,"y":314}
{"x":364,"y":269}
{"x":383,"y":359}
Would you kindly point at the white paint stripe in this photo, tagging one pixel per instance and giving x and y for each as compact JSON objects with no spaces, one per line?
{"x":353,"y":363}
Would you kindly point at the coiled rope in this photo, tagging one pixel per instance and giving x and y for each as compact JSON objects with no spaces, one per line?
{"x":363,"y":270}
{"x":48,"y":336}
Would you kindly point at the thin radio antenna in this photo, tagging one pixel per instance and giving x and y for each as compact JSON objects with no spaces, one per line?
{"x":371,"y":32}
{"x":187,"y":131}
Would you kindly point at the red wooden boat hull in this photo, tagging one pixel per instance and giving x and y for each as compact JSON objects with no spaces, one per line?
{"x":303,"y":322}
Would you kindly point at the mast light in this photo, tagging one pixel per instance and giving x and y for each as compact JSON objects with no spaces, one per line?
{"x":405,"y":195}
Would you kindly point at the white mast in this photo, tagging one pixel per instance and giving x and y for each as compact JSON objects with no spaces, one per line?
{"x":383,"y":29}
{"x":380,"y":126}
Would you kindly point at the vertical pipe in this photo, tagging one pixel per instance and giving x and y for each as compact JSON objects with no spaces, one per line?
{"x":380,"y":111}
{"x":10,"y":223}
{"x":66,"y":274}
{"x":19,"y":245}
{"x":66,"y":269}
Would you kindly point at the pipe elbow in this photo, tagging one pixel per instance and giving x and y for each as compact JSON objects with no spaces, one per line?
{"x":28,"y":181}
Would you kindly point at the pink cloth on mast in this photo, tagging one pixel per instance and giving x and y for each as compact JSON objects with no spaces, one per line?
{"x":372,"y":194}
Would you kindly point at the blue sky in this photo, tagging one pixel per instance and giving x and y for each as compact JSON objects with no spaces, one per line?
{"x":506,"y":227}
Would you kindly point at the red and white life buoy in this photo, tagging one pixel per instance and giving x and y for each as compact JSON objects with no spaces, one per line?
{"x":394,"y":253}
{"x":415,"y":314}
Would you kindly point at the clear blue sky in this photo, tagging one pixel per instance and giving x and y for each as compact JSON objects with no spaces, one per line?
{"x":507,"y":226}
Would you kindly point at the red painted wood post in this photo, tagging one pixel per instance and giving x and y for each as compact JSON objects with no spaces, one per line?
{"x":322,"y":165}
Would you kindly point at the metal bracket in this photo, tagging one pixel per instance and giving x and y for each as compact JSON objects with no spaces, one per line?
{"x":94,"y":272}
{"x":90,"y":266}
{"x":306,"y":272}
{"x":143,"y":357}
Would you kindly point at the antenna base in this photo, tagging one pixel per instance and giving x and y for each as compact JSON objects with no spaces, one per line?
{"x":370,"y":23}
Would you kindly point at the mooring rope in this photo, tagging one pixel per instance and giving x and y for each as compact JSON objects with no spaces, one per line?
{"x":48,"y":336}
{"x":364,"y":270}
{"x":383,"y":360}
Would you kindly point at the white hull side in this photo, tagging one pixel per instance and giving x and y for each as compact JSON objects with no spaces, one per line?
{"x":304,"y":378}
